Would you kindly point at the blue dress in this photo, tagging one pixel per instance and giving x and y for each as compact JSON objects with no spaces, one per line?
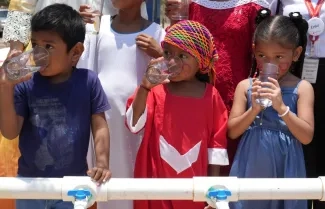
{"x":269,"y":150}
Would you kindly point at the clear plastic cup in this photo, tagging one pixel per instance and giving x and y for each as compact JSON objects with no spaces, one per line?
{"x":163,"y":70}
{"x":96,"y":8}
{"x":28,"y":62}
{"x":269,"y":70}
{"x":183,"y":10}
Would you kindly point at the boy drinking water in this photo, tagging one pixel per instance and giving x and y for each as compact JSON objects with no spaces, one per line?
{"x":52,"y":111}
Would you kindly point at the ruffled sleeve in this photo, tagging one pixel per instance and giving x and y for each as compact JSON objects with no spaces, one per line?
{"x":17,"y":27}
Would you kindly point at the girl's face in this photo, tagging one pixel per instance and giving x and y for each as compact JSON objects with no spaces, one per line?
{"x":189,"y":64}
{"x":267,"y":52}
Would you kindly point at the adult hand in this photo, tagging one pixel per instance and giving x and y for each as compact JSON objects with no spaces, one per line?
{"x":145,"y":82}
{"x":255,"y":95}
{"x":273,"y":92}
{"x":149,"y":45}
{"x":87,"y":14}
{"x":99,"y":174}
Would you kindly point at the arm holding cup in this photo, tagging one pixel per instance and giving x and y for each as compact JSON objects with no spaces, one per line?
{"x":240,"y":118}
{"x":12,"y":98}
{"x":302,"y":124}
{"x":139,"y":103}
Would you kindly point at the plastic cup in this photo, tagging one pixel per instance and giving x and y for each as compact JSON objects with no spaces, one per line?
{"x":183,"y":10}
{"x":269,"y":70}
{"x":96,"y":9}
{"x":163,"y":70}
{"x":28,"y":62}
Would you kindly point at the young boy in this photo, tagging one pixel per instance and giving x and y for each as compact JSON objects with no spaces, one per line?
{"x":52,"y":111}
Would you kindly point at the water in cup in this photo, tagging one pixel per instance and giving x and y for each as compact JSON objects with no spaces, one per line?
{"x":163,"y":70}
{"x":183,"y":10}
{"x":28,"y":62}
{"x":96,"y":10}
{"x":269,"y":70}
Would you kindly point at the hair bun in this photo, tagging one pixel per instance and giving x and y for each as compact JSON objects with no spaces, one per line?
{"x":262,"y":14}
{"x":295,"y":16}
{"x":299,"y":21}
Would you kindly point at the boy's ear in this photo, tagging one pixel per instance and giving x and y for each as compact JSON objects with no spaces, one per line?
{"x":76,"y":52}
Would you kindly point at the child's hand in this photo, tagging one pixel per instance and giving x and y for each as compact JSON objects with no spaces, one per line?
{"x":100,"y":175}
{"x":145,"y":82}
{"x":3,"y":78}
{"x":85,"y":13}
{"x":149,"y":45}
{"x":255,"y":87}
{"x":273,"y":92}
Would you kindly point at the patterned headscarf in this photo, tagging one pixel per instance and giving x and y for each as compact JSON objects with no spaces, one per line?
{"x":195,"y":39}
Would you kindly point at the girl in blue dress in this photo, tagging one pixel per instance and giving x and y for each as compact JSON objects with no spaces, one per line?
{"x":272,"y":138}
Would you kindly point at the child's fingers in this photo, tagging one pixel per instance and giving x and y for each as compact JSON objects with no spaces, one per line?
{"x":165,"y":81}
{"x":90,"y":21}
{"x":107,"y":176}
{"x":269,"y":85}
{"x":87,"y":15}
{"x":90,"y":173}
{"x":140,"y":43}
{"x":84,"y":7}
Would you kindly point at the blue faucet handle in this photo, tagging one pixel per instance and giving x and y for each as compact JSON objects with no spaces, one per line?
{"x":219,"y":194}
{"x":79,"y":194}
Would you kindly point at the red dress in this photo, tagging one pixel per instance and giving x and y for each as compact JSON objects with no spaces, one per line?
{"x":232,"y":25}
{"x":182,"y":135}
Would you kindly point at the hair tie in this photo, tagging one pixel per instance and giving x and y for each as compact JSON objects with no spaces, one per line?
{"x":262,"y":14}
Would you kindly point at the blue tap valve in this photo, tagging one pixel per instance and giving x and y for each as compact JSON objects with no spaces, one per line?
{"x":218,"y":194}
{"x":79,"y":194}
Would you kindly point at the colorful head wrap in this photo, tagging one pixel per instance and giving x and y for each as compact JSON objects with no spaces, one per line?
{"x":195,"y":39}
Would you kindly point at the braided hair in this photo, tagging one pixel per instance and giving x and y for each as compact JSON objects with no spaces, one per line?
{"x":286,"y":31}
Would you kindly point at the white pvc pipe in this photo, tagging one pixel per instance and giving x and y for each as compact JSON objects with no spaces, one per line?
{"x":167,"y":189}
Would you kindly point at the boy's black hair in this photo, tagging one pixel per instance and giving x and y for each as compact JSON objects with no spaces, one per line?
{"x":289,"y":32}
{"x":63,"y":20}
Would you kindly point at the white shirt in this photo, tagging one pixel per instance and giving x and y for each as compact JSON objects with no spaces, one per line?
{"x":121,"y":67}
{"x":300,"y":6}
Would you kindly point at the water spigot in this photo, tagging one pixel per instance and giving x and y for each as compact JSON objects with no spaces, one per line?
{"x":79,"y":194}
{"x":219,"y":194}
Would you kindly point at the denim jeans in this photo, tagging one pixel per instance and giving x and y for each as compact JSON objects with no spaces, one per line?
{"x":43,"y":204}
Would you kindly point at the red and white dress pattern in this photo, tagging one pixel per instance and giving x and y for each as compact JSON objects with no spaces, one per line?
{"x":182,"y":135}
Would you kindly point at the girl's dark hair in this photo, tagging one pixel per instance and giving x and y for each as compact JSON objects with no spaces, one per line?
{"x":289,"y":32}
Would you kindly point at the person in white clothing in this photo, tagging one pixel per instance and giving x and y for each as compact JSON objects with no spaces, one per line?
{"x":125,"y":45}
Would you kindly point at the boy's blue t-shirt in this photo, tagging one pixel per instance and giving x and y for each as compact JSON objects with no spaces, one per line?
{"x":55,"y":134}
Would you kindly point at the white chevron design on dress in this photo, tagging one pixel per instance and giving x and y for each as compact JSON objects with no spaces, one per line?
{"x":177,"y":161}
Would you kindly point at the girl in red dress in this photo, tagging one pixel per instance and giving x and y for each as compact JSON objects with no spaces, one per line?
{"x":232,"y":24}
{"x":184,"y":118}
